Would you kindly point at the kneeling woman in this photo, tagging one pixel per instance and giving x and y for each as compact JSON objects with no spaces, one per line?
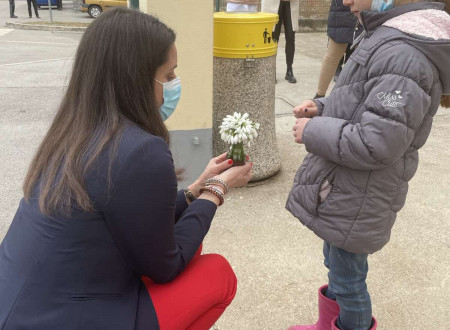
{"x":102,"y":238}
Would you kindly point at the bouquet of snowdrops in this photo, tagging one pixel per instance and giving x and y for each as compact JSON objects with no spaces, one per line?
{"x":237,"y":130}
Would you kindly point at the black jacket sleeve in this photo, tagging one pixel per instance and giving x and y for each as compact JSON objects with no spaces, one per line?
{"x":142,"y":209}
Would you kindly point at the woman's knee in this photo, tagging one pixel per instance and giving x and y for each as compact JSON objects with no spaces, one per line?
{"x":221,"y":274}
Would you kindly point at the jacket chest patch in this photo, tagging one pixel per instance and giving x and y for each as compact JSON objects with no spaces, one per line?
{"x":390,"y":99}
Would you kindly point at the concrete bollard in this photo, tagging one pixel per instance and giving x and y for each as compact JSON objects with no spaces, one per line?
{"x":244,"y":81}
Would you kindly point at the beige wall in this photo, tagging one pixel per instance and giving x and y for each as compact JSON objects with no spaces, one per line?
{"x":192,"y":21}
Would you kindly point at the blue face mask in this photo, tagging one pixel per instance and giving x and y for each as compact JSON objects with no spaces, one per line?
{"x":381,"y":5}
{"x":171,"y":94}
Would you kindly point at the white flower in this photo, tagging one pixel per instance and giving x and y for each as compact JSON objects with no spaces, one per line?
{"x":238,"y":128}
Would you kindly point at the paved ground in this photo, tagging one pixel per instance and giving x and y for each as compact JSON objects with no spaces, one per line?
{"x":278,"y":262}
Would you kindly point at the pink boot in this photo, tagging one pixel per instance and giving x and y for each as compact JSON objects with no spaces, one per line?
{"x":334,"y":327}
{"x":328,"y":309}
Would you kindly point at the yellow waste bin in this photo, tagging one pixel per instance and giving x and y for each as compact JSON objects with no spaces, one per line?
{"x":244,"y":35}
{"x":244,"y":81}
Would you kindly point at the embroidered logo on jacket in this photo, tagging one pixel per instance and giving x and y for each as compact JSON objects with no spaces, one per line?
{"x":391,"y":100}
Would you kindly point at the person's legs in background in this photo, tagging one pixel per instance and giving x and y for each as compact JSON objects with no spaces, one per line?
{"x":290,"y":40}
{"x":29,"y":8}
{"x":35,"y":8}
{"x":12,"y":7}
{"x":29,"y":2}
{"x":347,"y":285}
{"x":197,"y":297}
{"x":348,"y":52}
{"x":330,"y":62}
{"x":277,"y":30}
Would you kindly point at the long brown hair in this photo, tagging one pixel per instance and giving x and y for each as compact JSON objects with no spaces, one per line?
{"x":112,"y":83}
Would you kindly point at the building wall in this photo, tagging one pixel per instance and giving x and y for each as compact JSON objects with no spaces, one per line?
{"x":191,"y":123}
{"x":308,"y":9}
{"x":312,"y":16}
{"x":192,"y":21}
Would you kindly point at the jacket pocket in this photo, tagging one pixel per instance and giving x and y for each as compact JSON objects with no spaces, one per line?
{"x":325,"y":187}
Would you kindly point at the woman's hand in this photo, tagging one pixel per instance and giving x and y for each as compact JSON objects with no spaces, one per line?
{"x":215,"y":167}
{"x":307,"y":109}
{"x":237,"y":176}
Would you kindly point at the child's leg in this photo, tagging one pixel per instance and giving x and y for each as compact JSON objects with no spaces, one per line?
{"x":347,"y":284}
{"x":197,"y":297}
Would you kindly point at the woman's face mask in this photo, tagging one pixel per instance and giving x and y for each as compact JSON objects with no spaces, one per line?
{"x":171,"y":95}
{"x":382,"y":5}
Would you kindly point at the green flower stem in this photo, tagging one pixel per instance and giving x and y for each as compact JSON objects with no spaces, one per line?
{"x":237,"y":154}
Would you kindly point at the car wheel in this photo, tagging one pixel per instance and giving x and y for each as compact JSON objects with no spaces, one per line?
{"x":94,"y":11}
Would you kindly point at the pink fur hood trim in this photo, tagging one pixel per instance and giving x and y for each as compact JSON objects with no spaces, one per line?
{"x":430,"y":23}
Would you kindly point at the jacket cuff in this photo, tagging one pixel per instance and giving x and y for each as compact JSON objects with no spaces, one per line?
{"x":320,"y":103}
{"x":321,"y":137}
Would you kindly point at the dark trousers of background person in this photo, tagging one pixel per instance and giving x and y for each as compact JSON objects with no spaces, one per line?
{"x":59,"y":4}
{"x":284,"y":13}
{"x":29,"y":2}
{"x":12,"y":7}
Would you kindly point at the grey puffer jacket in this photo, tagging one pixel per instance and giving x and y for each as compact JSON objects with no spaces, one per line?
{"x":365,"y":140}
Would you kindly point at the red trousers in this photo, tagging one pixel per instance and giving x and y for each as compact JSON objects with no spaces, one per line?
{"x":197,"y":297}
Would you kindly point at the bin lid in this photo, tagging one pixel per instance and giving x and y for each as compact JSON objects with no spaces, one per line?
{"x":244,"y":35}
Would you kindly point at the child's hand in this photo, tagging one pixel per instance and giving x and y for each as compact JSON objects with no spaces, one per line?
{"x":298,"y":129}
{"x":307,"y":109}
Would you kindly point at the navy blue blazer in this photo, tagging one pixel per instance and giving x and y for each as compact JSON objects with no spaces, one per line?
{"x":84,"y":271}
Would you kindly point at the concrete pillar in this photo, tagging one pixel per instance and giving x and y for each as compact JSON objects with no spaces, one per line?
{"x":244,"y":81}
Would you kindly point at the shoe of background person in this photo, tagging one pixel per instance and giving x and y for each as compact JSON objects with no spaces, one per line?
{"x":13,"y":16}
{"x":290,"y":76}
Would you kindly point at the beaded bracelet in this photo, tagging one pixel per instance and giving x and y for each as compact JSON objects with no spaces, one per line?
{"x":219,"y":182}
{"x":214,"y":191}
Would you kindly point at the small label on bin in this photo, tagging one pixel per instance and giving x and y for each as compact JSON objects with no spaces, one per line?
{"x":249,"y":63}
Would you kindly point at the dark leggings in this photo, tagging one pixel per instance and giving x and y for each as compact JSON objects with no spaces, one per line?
{"x":34,"y":6}
{"x":12,"y":7}
{"x":284,"y":13}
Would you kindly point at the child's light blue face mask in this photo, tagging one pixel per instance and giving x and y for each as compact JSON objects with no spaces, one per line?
{"x":382,"y":5}
{"x":171,"y":94}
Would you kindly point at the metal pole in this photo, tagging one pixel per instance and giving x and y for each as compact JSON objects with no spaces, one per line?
{"x":50,"y":10}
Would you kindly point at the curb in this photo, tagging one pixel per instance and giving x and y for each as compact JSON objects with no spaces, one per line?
{"x":24,"y":26}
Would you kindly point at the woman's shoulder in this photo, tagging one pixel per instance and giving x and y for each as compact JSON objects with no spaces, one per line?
{"x":133,"y":136}
{"x":136,"y":153}
{"x":134,"y":148}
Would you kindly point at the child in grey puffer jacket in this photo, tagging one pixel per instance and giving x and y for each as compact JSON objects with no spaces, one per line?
{"x":363,"y":142}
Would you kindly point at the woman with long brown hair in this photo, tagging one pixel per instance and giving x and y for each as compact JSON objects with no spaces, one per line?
{"x":102,"y":238}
